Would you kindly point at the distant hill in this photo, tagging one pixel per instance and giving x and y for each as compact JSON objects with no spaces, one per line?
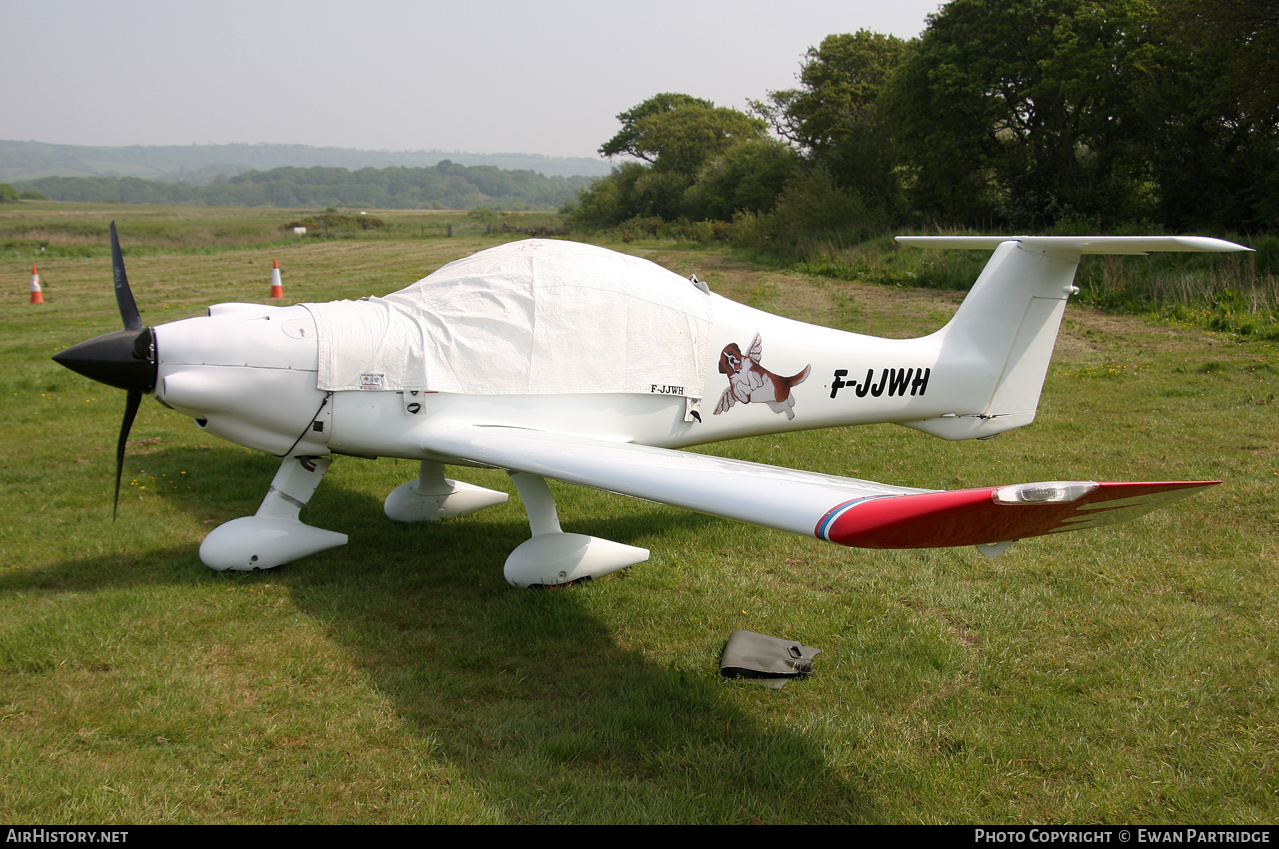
{"x":200,"y":164}
{"x":446,"y":185}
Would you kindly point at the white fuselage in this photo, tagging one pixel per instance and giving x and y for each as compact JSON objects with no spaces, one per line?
{"x":248,"y":374}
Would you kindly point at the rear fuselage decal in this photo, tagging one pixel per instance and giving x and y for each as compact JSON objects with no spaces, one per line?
{"x":749,"y":382}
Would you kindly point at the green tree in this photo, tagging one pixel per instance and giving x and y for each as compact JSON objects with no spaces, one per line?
{"x":842,"y":81}
{"x":838,"y":115}
{"x":609,"y":200}
{"x":1022,"y":111}
{"x":813,"y":208}
{"x":680,"y":133}
{"x":680,"y":137}
{"x":629,"y":141}
{"x":1213,"y":104}
{"x":8,"y":194}
{"x":749,"y":177}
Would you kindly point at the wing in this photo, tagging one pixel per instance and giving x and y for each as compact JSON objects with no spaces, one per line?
{"x":840,"y":510}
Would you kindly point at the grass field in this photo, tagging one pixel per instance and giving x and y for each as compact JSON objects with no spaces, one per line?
{"x":1123,"y":675}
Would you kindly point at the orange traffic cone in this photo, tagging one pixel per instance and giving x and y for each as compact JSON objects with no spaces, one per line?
{"x":277,"y":288}
{"x":37,"y":297}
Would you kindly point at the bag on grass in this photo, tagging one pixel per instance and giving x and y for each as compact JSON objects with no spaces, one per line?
{"x":767,"y":660}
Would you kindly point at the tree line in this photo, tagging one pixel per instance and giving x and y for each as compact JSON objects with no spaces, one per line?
{"x":446,"y":185}
{"x":1004,"y":114}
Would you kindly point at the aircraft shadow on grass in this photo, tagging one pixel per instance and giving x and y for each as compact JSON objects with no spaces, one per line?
{"x":528,"y":695}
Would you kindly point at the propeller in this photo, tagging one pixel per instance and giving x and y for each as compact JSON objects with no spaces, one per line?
{"x":125,"y":359}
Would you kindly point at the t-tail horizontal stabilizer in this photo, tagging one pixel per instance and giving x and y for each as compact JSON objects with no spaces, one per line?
{"x":1131,"y":245}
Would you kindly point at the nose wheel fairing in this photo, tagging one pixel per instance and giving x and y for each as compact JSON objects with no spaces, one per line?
{"x":273,"y":535}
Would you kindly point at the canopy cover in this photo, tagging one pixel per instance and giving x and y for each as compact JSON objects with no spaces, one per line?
{"x":532,"y":317}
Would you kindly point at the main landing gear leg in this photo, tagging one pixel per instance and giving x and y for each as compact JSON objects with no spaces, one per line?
{"x":553,"y":557}
{"x":432,"y":496}
{"x":273,"y":536}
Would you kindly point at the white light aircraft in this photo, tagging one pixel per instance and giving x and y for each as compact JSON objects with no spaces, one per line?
{"x":553,"y":359}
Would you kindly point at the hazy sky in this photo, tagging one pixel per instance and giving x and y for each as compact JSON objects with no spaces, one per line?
{"x":491,"y":76}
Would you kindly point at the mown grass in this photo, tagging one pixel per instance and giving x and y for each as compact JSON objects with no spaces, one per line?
{"x":44,"y":230}
{"x":1123,"y":675}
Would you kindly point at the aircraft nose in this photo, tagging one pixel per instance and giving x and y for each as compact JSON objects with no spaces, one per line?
{"x":124,"y":359}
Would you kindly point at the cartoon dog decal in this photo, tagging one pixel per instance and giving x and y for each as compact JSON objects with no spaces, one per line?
{"x":749,"y":381}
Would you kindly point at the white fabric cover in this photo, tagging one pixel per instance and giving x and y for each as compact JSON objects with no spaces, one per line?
{"x":532,"y":317}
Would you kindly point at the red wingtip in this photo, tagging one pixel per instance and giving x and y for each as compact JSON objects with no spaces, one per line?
{"x":975,"y":517}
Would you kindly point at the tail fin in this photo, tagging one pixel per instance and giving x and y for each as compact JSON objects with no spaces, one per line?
{"x":1004,"y":331}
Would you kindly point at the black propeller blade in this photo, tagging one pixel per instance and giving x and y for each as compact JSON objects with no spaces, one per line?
{"x":131,"y":403}
{"x":123,"y":294}
{"x":125,"y":359}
